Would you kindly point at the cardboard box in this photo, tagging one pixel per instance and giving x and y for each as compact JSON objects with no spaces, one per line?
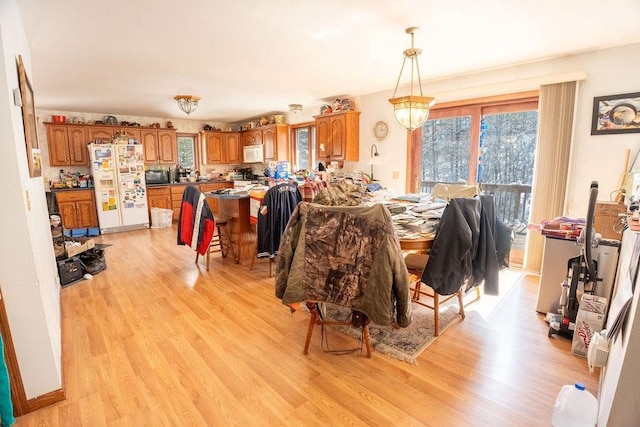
{"x":85,"y":245}
{"x":605,"y":216}
{"x":590,"y":319}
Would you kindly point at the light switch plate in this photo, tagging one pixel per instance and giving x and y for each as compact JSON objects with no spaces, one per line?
{"x":17,"y":99}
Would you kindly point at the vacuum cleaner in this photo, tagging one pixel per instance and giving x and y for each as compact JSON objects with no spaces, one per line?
{"x":582,"y":274}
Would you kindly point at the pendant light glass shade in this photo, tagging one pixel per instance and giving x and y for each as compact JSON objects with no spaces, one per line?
{"x":411,"y":111}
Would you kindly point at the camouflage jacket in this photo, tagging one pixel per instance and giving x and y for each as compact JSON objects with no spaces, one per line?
{"x":345,"y":255}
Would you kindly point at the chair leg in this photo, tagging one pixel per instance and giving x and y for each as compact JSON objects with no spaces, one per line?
{"x":367,"y":340}
{"x":197,"y":255}
{"x":227,"y":238}
{"x":270,"y":267}
{"x":208,"y":256}
{"x":461,"y":303}
{"x":436,"y":314}
{"x":253,"y":260}
{"x":312,"y":322}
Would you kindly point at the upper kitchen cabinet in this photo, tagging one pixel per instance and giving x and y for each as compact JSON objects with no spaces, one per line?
{"x":275,"y":139}
{"x":67,"y":145}
{"x":100,"y":134}
{"x":338,"y":136}
{"x":160,"y":145}
{"x":222,"y":147}
{"x":234,"y":147}
{"x":252,"y":137}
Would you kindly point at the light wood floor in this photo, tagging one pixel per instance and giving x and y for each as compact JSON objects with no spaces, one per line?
{"x":155,"y":340}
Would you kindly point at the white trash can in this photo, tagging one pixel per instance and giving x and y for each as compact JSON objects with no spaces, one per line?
{"x":161,"y":217}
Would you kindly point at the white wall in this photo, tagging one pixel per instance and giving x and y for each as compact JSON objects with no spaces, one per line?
{"x":599,"y":158}
{"x":28,"y":274}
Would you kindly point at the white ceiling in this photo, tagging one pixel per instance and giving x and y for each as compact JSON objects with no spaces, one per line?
{"x":246,"y":58}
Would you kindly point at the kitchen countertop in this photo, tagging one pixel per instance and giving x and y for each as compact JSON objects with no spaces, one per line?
{"x":53,"y":190}
{"x":187,"y":183}
{"x":227,"y":196}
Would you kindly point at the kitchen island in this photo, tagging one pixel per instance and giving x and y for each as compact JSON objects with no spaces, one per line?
{"x":235,"y":208}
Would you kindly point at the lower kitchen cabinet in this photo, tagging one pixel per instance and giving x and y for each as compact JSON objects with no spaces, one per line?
{"x":177,"y":191}
{"x":77,"y":208}
{"x":170,"y":196}
{"x":209,"y":187}
{"x":159,"y":197}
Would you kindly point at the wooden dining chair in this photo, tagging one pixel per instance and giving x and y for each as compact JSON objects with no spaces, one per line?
{"x":423,"y":294}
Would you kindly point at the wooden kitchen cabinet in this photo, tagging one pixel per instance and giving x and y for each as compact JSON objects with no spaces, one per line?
{"x":67,"y":145}
{"x":77,"y":208}
{"x":275,"y":139}
{"x":159,"y":197}
{"x":177,"y":191}
{"x":234,"y":148}
{"x":160,"y":145}
{"x":252,"y":137}
{"x":222,"y":147}
{"x":101,"y":133}
{"x":338,"y":136}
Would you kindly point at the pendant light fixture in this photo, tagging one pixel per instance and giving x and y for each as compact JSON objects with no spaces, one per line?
{"x":411,"y":111}
{"x":187,"y":103}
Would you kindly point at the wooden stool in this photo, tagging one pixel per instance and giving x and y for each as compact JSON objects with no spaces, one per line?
{"x":221,"y":241}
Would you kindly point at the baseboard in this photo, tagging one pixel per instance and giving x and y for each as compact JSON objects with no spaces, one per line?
{"x":45,"y":400}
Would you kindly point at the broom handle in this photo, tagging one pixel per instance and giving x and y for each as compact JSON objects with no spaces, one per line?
{"x":620,"y":196}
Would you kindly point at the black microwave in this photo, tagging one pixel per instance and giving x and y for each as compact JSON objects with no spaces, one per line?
{"x":156,"y":177}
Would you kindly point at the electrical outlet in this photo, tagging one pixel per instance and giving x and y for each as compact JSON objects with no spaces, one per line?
{"x":396,"y":175}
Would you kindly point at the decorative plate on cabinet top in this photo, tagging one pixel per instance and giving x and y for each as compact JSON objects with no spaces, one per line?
{"x":348,"y":104}
{"x":326,"y":109}
{"x":110,"y":120}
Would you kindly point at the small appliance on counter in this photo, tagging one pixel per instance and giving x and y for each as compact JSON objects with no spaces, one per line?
{"x":182,"y":174}
{"x":156,"y":177}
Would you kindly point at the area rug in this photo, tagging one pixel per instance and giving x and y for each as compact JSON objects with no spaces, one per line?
{"x":405,"y":343}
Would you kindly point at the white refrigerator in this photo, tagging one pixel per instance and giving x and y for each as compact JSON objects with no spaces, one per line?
{"x":121,"y":194}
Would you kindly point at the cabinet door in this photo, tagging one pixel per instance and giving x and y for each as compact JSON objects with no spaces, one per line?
{"x":338,"y":138}
{"x":78,"y":151}
{"x":269,"y":142}
{"x":58,"y":144}
{"x":68,"y":213}
{"x":323,"y":138}
{"x":131,"y":133}
{"x":100,"y":133}
{"x":234,"y":150}
{"x":215,"y":147}
{"x":253,"y":137}
{"x":159,"y":201}
{"x":167,"y":146}
{"x":149,"y":139}
{"x":86,"y":215}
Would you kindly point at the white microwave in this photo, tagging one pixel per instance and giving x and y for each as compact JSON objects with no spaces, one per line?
{"x":253,"y":154}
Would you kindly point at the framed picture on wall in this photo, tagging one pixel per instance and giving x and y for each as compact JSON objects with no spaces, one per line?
{"x":616,"y":114}
{"x":29,"y":121}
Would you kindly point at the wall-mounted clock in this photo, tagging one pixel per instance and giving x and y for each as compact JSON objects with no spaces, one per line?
{"x":380,"y":130}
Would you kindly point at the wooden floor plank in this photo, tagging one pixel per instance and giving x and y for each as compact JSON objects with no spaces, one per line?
{"x":155,"y":339}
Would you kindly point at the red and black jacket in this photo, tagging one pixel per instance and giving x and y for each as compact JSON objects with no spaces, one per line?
{"x":196,"y":224}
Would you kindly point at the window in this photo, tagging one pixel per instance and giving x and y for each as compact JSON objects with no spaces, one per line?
{"x":304,"y":146}
{"x":490,"y":142}
{"x":187,"y":154}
